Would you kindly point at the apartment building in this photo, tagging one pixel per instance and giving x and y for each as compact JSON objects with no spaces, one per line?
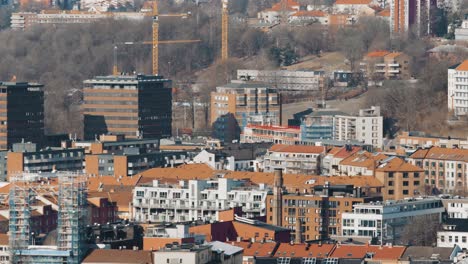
{"x":454,"y":232}
{"x":457,"y":208}
{"x":192,"y":200}
{"x":27,"y":157}
{"x":401,"y":179}
{"x":444,"y":169}
{"x":289,"y":135}
{"x":366,"y":127}
{"x":279,"y":12}
{"x":285,"y":80}
{"x":354,"y":7}
{"x":21,"y":113}
{"x":458,"y":89}
{"x":294,"y":159}
{"x":316,"y":215}
{"x":319,"y":125}
{"x":109,"y":144}
{"x":137,"y":106}
{"x":379,"y":65}
{"x":131,"y":161}
{"x":461,"y":33}
{"x":331,"y":161}
{"x":406,"y":15}
{"x":26,"y":20}
{"x":233,"y":104}
{"x":385,"y":221}
{"x":360,"y":163}
{"x":414,"y":140}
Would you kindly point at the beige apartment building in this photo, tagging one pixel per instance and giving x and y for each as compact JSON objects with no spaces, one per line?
{"x":386,"y":65}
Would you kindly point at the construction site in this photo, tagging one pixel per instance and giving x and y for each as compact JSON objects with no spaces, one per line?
{"x":70,"y":193}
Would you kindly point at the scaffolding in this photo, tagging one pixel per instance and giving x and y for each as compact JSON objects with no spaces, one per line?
{"x":20,"y":214}
{"x":72,"y":215}
{"x":72,"y":210}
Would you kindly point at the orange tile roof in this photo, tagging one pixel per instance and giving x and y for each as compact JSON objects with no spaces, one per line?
{"x":4,"y":239}
{"x":343,"y":153}
{"x":379,"y":53}
{"x":312,"y":13}
{"x":353,"y":2}
{"x":121,"y":198}
{"x":397,"y":164}
{"x":119,"y":256}
{"x":304,"y":250}
{"x":363,"y":159}
{"x":384,"y":13}
{"x":297,"y":149}
{"x":463,"y":66}
{"x":108,"y":182}
{"x":286,"y":4}
{"x":393,"y":55}
{"x":257,"y":249}
{"x":360,"y":251}
{"x":291,"y":181}
{"x":438,"y":153}
{"x":5,"y":189}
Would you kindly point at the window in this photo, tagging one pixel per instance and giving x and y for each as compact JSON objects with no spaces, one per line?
{"x":416,"y":183}
{"x":405,"y":192}
{"x":391,"y":192}
{"x":416,"y":175}
{"x":464,"y":239}
{"x":405,"y":175}
{"x":405,"y":183}
{"x":442,"y":238}
{"x":390,"y":183}
{"x":390,"y":174}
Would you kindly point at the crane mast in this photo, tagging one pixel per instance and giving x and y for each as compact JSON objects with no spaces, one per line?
{"x":155,"y":39}
{"x":224,"y":31}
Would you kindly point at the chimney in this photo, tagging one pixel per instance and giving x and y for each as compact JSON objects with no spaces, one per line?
{"x":277,"y":197}
{"x":298,"y":239}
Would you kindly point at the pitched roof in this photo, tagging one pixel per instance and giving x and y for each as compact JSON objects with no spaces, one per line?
{"x":304,"y":250}
{"x":363,"y":159}
{"x":438,"y":153}
{"x":463,"y":66}
{"x":343,"y":152}
{"x":257,"y":249}
{"x":379,"y":53}
{"x":119,"y":256}
{"x":106,"y":183}
{"x":4,"y":239}
{"x":228,"y":249}
{"x":393,"y":55}
{"x":397,"y":164}
{"x":311,"y":13}
{"x":284,"y":4}
{"x":364,"y":251}
{"x":353,"y":2}
{"x":384,"y":13}
{"x":297,"y":149}
{"x":121,"y":198}
{"x":425,"y":253}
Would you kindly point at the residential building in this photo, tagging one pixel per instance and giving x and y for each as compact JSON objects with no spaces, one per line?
{"x":110,"y":144}
{"x":137,"y":106}
{"x":461,"y":33}
{"x":349,"y":253}
{"x":235,"y":228}
{"x":360,"y":163}
{"x":101,"y":210}
{"x":196,"y":199}
{"x":232,"y":105}
{"x":331,"y":161}
{"x":26,"y":157}
{"x":294,"y":159}
{"x":256,"y":250}
{"x":415,"y":140}
{"x":319,"y":125}
{"x":279,"y":12}
{"x":116,"y":256}
{"x":379,"y":65}
{"x":444,"y":169}
{"x":214,"y":252}
{"x":131,"y":161}
{"x":226,"y":253}
{"x":286,"y":80}
{"x":114,"y":235}
{"x":457,"y":208}
{"x":458,"y":89}
{"x":454,"y":232}
{"x":156,"y":237}
{"x":385,"y":221}
{"x":4,"y":249}
{"x":298,"y":253}
{"x":217,"y":160}
{"x":418,"y":254}
{"x":26,"y":20}
{"x":306,"y":17}
{"x":315,"y":213}
{"x":289,"y":135}
{"x":354,"y":7}
{"x":406,"y":15}
{"x":401,"y":179}
{"x":22,"y":113}
{"x":366,"y":127}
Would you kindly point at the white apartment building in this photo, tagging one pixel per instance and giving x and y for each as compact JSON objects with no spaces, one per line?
{"x":456,"y":208}
{"x":454,"y":232}
{"x":458,"y":89}
{"x":461,"y":33}
{"x":196,"y":200}
{"x":285,"y":79}
{"x":386,"y":220}
{"x":367,"y":127}
{"x":294,"y":159}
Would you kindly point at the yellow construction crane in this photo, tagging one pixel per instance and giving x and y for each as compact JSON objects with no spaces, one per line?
{"x":155,"y":42}
{"x":224,"y":31}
